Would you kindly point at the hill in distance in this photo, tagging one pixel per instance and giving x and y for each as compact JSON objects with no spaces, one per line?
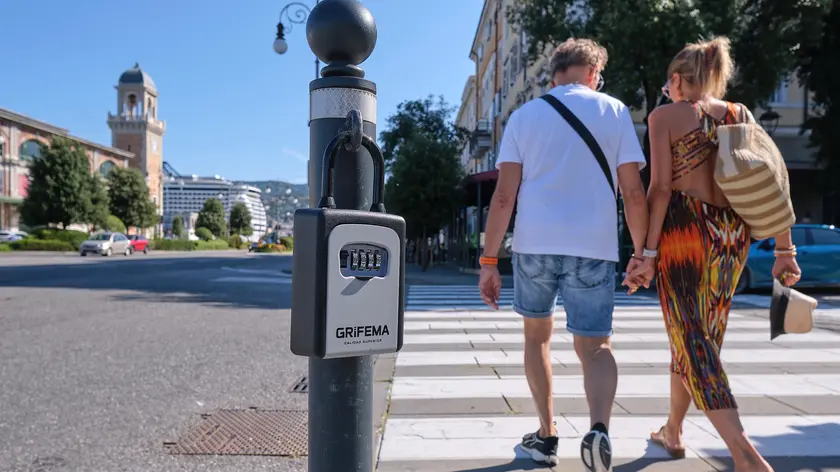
{"x":276,"y":186}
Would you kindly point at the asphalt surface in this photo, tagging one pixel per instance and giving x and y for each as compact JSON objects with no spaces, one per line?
{"x":106,"y":359}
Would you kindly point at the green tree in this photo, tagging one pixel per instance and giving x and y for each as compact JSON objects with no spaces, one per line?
{"x":60,"y":186}
{"x":149,"y":214}
{"x":820,"y":72}
{"x":178,"y":227}
{"x":764,"y":34}
{"x":425,"y":171}
{"x":129,"y":197}
{"x":203,"y":234}
{"x":112,"y":223}
{"x":240,"y":220}
{"x":212,"y":217}
{"x":642,"y":36}
{"x":99,"y":211}
{"x":426,"y":117}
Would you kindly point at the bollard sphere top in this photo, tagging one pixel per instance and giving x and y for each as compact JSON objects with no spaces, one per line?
{"x":341,"y":32}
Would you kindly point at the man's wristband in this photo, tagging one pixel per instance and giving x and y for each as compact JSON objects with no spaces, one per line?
{"x":488,"y":260}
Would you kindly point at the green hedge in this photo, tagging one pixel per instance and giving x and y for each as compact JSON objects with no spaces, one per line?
{"x":187,"y":245}
{"x":203,"y":234}
{"x":72,"y":237}
{"x":288,"y":241}
{"x":272,"y":248}
{"x":30,"y":244}
{"x":5,"y":247}
{"x":236,"y":242}
{"x":214,"y":245}
{"x":173,"y":245}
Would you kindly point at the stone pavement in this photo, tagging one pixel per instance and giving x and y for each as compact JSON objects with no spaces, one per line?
{"x":459,"y":400}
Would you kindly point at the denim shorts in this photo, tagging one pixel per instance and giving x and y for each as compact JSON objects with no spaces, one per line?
{"x":587,"y":288}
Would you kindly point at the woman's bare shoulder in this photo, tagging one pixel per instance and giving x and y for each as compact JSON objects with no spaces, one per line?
{"x":665,"y":113}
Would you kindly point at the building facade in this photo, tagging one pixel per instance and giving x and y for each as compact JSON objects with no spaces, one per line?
{"x":185,"y":196}
{"x":504,"y":79}
{"x":20,"y":137}
{"x":136,"y":141}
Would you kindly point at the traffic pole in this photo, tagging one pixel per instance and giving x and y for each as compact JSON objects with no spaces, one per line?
{"x":342,"y":35}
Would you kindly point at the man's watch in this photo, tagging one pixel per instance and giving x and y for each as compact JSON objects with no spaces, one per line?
{"x":649,"y":252}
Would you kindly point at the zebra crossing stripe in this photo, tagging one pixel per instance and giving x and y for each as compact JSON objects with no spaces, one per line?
{"x":460,"y":357}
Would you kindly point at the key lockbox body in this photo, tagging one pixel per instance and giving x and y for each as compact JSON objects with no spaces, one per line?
{"x":348,"y":268}
{"x":353,"y":262}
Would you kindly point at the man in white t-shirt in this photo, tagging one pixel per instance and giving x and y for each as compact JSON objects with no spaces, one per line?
{"x":566,"y":234}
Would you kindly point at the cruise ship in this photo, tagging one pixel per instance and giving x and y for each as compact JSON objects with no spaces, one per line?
{"x":184,"y":196}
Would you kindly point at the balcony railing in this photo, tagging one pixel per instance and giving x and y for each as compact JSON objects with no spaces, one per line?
{"x":481,"y":140}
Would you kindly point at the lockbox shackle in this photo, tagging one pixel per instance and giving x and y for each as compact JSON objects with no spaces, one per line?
{"x":353,"y":138}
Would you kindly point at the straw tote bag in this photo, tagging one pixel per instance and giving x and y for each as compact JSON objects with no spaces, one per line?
{"x":753,"y":176}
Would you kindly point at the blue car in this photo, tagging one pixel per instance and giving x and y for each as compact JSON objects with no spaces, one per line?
{"x":818,"y":255}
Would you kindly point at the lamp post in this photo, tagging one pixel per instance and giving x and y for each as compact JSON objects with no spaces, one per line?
{"x":769,"y":121}
{"x":342,"y":34}
{"x":294,"y":13}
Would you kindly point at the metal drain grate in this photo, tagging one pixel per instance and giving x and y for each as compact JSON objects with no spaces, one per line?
{"x":301,"y":386}
{"x":247,"y":432}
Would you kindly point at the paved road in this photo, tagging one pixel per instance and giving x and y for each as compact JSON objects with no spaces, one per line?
{"x":105,"y":359}
{"x":460,"y":402}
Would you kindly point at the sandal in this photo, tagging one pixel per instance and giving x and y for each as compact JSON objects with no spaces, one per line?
{"x":660,"y":440}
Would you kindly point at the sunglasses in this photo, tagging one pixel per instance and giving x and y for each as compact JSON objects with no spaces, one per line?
{"x":600,"y":83}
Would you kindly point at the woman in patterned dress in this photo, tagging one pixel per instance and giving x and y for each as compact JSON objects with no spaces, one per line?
{"x":697,"y":246}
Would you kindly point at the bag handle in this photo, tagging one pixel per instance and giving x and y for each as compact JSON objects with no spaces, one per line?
{"x":584,"y":133}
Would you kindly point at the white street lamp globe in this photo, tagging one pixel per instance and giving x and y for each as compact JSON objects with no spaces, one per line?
{"x":280,"y":46}
{"x":288,"y":191}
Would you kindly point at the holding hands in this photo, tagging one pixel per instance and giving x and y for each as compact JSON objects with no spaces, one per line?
{"x":640,"y":272}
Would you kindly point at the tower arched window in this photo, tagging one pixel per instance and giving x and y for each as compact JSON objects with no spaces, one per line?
{"x":30,"y":150}
{"x":105,"y":168}
{"x":132,"y":107}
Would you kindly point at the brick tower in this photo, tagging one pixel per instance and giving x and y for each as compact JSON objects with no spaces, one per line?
{"x":136,"y":128}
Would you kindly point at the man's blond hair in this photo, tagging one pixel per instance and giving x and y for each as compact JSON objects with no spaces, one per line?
{"x":578,"y":52}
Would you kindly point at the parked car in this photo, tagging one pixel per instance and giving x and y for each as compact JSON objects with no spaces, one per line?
{"x":139,"y":243}
{"x":11,"y":236}
{"x":106,"y":244}
{"x":818,"y":255}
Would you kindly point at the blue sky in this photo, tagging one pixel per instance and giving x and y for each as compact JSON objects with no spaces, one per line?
{"x":232,"y":106}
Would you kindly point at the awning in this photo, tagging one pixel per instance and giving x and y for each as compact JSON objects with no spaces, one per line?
{"x":482,"y":177}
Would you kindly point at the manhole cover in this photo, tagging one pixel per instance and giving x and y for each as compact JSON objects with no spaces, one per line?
{"x":301,"y":386}
{"x":247,"y":432}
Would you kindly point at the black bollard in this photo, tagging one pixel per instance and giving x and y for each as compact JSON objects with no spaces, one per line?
{"x":342,"y":34}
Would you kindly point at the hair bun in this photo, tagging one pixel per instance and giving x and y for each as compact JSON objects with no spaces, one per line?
{"x":718,"y":45}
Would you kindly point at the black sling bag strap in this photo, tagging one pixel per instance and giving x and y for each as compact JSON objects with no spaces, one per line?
{"x":584,"y":133}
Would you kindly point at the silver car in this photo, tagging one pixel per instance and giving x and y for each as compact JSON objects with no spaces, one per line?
{"x":106,"y":244}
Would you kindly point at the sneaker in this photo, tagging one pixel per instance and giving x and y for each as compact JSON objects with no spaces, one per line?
{"x":542,"y":450}
{"x":596,"y":452}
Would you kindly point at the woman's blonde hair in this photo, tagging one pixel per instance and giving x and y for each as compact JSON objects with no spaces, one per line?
{"x":706,"y":65}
